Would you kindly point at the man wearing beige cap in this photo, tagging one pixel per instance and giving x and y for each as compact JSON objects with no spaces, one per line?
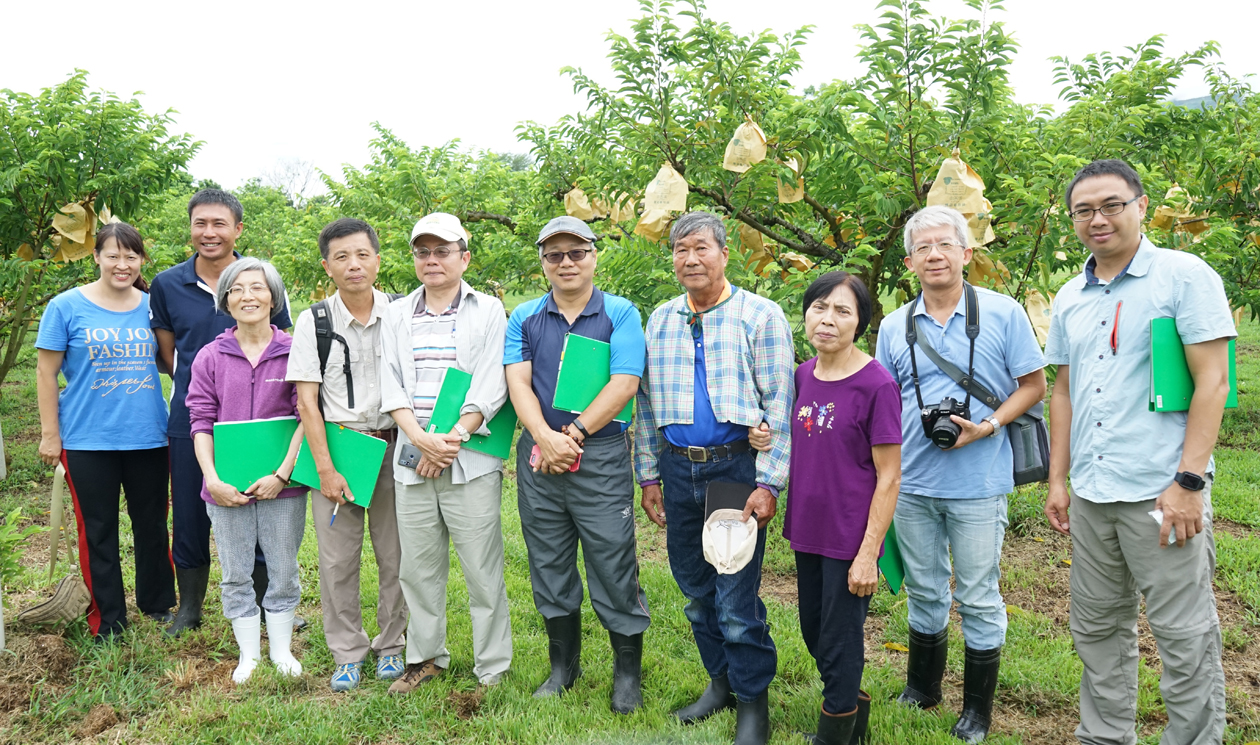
{"x":453,"y":494}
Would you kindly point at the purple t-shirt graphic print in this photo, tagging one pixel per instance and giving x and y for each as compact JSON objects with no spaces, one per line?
{"x":832,"y":474}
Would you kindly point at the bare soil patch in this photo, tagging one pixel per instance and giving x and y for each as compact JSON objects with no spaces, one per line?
{"x":466,"y":703}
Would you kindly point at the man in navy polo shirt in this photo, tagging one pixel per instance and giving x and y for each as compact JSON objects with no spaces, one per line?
{"x":595,"y":503}
{"x":181,"y":301}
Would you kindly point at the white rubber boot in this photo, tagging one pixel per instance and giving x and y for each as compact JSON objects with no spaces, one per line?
{"x":248,"y":633}
{"x":279,"y":635}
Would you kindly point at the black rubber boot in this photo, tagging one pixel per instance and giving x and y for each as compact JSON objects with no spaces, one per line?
{"x":861,"y":719}
{"x":261,"y":582}
{"x":836,"y":729}
{"x":928,"y":653}
{"x":627,"y":685}
{"x":752,"y":721}
{"x":979,"y":682}
{"x":565,"y":651}
{"x":192,"y":595}
{"x":716,"y":697}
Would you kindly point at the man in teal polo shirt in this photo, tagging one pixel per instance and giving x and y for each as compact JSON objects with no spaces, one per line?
{"x":1127,"y":462}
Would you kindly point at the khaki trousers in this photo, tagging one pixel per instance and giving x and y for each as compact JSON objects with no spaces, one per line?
{"x":1116,"y":556}
{"x":340,"y":554}
{"x":432,"y":516}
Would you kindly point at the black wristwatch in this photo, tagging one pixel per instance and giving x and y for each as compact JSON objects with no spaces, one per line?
{"x":581,"y":428}
{"x":1190,"y":481}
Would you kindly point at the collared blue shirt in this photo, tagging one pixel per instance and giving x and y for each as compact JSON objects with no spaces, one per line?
{"x":1121,"y":450}
{"x":705,"y":429}
{"x":536,"y":333}
{"x":1006,"y":349}
{"x":181,"y":303}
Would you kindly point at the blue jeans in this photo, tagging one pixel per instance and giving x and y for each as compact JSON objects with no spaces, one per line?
{"x":928,"y":531}
{"x":727,"y":617}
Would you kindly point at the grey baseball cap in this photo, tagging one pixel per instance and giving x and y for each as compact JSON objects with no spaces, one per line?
{"x":566,"y":224}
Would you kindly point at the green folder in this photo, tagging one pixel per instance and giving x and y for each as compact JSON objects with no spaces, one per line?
{"x":890,"y":564}
{"x":246,"y":451}
{"x":356,"y":456}
{"x":585,"y":368}
{"x":1171,"y":384}
{"x":446,"y":412}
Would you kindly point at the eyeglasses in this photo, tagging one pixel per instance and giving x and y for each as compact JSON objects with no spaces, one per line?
{"x":944,"y":247}
{"x":1110,"y":209}
{"x":441,"y":252}
{"x":258,"y":288}
{"x":574,"y":255}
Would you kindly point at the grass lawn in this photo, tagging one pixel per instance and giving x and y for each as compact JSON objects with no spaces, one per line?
{"x":62,"y":687}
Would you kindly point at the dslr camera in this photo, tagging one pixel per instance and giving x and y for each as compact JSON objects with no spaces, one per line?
{"x":937,"y":425}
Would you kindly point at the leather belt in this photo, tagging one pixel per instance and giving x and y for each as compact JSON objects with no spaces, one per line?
{"x":388,"y":435}
{"x":704,"y":455}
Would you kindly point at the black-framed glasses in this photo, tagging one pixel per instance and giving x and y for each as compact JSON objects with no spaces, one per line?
{"x":441,"y":252}
{"x":1110,"y":209}
{"x":575,"y":255}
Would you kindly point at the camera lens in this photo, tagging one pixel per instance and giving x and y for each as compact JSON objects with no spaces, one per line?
{"x":945,"y":432}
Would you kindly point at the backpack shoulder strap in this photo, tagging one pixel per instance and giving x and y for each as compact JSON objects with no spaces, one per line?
{"x":323,"y":333}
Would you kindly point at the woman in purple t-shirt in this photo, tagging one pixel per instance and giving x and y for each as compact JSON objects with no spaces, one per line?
{"x":842,"y":489}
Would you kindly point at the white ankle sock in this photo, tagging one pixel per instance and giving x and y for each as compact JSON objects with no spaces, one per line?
{"x":248,"y":632}
{"x":279,"y":635}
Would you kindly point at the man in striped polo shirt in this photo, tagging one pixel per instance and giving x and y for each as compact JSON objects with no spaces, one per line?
{"x":453,"y":495}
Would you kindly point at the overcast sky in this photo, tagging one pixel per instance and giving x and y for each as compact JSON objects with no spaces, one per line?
{"x":261,"y":82}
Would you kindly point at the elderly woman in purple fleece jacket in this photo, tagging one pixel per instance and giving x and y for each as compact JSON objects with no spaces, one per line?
{"x":241,"y":376}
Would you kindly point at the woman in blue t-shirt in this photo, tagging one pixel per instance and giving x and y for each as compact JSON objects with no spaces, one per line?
{"x":108,"y":428}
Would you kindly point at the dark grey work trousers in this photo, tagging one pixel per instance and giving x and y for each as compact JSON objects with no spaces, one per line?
{"x":593,"y":505}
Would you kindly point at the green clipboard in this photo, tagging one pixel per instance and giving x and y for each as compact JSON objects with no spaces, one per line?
{"x":585,"y":368}
{"x":890,"y":564}
{"x":246,"y":451}
{"x":1171,"y":384}
{"x":356,"y":456}
{"x":446,"y":412}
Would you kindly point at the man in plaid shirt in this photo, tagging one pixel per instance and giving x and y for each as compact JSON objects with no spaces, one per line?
{"x":719,"y":363}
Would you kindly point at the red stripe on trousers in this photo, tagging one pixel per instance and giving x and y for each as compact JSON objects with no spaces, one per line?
{"x":85,"y":567}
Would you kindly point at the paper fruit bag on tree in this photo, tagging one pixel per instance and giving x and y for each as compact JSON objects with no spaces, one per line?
{"x":790,"y":193}
{"x":75,"y":226}
{"x":653,"y":225}
{"x":985,"y":271}
{"x":621,"y":208}
{"x":747,"y":146}
{"x":1038,"y":306}
{"x":980,"y":225}
{"x":668,"y":191}
{"x":958,"y":186}
{"x":577,"y":205}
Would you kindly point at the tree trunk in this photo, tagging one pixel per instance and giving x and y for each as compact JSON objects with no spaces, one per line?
{"x":16,"y":323}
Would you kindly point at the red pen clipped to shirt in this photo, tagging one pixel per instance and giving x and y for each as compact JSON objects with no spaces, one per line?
{"x":1115,"y":330}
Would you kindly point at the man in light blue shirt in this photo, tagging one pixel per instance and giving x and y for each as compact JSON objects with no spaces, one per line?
{"x":1128,"y":463}
{"x":954,"y":496}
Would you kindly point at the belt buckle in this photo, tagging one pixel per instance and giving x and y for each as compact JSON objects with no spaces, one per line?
{"x":697,"y":454}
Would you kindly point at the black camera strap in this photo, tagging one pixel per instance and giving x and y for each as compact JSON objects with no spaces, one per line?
{"x":968,"y":381}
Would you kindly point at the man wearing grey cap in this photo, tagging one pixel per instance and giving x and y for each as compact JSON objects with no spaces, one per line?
{"x":452,"y":496}
{"x":574,"y":479}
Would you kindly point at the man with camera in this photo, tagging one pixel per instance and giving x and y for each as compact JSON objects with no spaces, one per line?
{"x":1140,"y":499}
{"x":957,"y":461}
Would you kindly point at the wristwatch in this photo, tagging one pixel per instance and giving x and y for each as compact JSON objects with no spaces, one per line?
{"x":1190,"y":481}
{"x":464,"y":434}
{"x":581,"y":428}
{"x":997,"y":426}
